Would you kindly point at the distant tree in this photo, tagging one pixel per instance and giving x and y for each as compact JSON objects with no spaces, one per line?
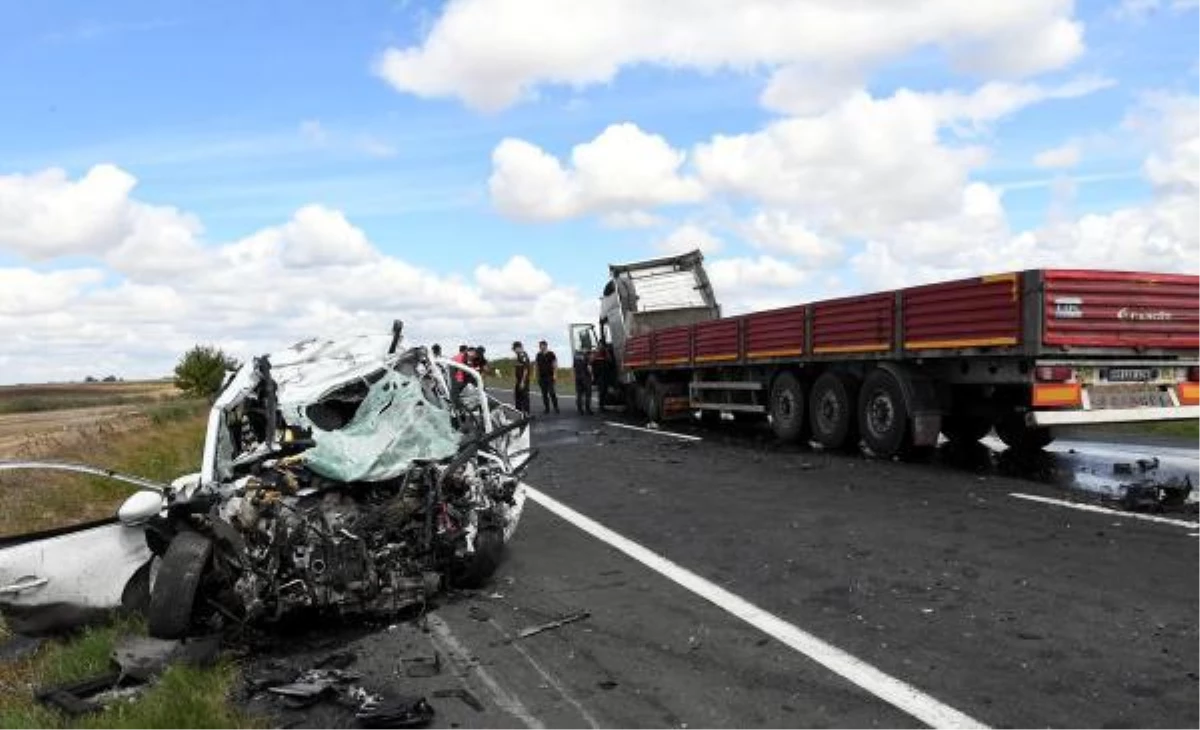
{"x":201,"y":370}
{"x":110,"y":379}
{"x":90,"y":379}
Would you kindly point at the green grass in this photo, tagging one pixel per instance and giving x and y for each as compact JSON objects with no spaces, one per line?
{"x":184,"y":697}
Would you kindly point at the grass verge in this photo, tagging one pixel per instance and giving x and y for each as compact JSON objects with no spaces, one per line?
{"x":167,"y":445}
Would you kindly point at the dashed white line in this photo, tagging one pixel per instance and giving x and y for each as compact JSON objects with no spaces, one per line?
{"x":672,"y":434}
{"x":1103,"y":510}
{"x":505,"y":701}
{"x":887,"y":688}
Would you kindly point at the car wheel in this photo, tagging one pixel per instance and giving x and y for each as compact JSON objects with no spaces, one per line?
{"x":883,"y":414}
{"x":787,"y":408}
{"x":173,"y":598}
{"x":831,"y":408}
{"x":476,"y":569}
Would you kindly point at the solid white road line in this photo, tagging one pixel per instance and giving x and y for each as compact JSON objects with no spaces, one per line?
{"x":1103,"y":510}
{"x":887,"y":688}
{"x":505,"y":701}
{"x":672,"y":434}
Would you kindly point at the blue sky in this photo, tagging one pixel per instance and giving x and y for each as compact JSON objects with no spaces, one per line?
{"x":239,"y":114}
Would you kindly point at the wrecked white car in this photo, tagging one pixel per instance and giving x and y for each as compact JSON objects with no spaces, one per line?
{"x":338,"y":477}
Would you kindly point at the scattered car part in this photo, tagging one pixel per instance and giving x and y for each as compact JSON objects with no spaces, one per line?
{"x":462,"y":693}
{"x":422,"y":666}
{"x":400,"y":712}
{"x":75,"y":698}
{"x":144,"y":657}
{"x":555,"y":624}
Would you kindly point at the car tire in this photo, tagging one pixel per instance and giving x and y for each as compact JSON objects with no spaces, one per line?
{"x":883,"y":415}
{"x":788,"y":419}
{"x":475,"y":570}
{"x":832,"y":408}
{"x":173,"y":598}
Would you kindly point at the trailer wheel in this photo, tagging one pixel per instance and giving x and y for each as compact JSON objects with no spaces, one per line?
{"x":787,"y":408}
{"x":173,"y":598}
{"x":653,"y":399}
{"x":1017,"y":436}
{"x":831,"y":407}
{"x":966,"y":429}
{"x":883,"y":414}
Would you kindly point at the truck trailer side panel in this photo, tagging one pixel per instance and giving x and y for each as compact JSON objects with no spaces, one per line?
{"x":854,"y":325}
{"x":1105,"y":309}
{"x":970,"y":313}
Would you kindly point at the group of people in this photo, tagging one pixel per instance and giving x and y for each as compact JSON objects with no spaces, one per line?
{"x":545,"y":365}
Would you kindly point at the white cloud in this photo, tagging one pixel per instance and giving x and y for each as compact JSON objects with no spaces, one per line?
{"x":159,"y":290}
{"x":376,"y":147}
{"x":631,"y":219}
{"x":494,"y":53}
{"x":1161,"y":235}
{"x":1064,"y":155}
{"x":1139,"y":10}
{"x":517,"y":279}
{"x":782,"y":233}
{"x":732,"y":276}
{"x":690,"y":237}
{"x":621,"y":171}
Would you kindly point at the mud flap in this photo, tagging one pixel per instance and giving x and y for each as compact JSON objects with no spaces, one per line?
{"x":921,"y":398}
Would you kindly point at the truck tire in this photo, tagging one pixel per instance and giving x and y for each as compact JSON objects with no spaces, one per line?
{"x":653,"y":399}
{"x":883,"y":414}
{"x":173,"y":598}
{"x":964,"y":428}
{"x":787,"y":408}
{"x":832,"y":409}
{"x":1019,"y":437}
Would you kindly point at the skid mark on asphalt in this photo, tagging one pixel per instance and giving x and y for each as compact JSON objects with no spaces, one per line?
{"x":1103,"y":510}
{"x":895,"y":692}
{"x":657,"y":432}
{"x":503,"y":699}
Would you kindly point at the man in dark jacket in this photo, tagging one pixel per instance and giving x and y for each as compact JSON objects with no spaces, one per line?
{"x":583,"y":381}
{"x":521,"y":379}
{"x":547,"y":372}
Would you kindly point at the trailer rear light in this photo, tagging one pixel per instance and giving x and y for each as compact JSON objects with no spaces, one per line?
{"x":1056,"y":394}
{"x":1189,"y":394}
{"x":1194,"y":374}
{"x":1053,"y":374}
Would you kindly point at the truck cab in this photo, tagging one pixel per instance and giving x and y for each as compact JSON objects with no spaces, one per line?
{"x":639,"y":298}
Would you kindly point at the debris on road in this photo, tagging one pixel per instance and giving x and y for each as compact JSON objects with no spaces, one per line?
{"x":462,"y":693}
{"x":145,"y":658}
{"x":78,"y":697}
{"x":525,"y":633}
{"x":401,"y":712}
{"x":422,"y":666}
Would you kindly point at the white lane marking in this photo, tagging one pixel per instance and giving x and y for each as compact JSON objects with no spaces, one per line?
{"x":505,"y":701}
{"x":1103,"y":510}
{"x":887,"y":688}
{"x":683,"y":436}
{"x":550,"y":680}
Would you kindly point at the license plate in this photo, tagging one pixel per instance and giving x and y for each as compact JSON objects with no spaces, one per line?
{"x":1141,"y":399}
{"x":1130,"y":375}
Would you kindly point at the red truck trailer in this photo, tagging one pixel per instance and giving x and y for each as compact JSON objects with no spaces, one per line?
{"x":1021,"y":352}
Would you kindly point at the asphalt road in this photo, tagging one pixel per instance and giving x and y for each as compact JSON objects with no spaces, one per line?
{"x":1012,"y":612}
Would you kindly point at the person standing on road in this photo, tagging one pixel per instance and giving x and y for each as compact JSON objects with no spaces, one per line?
{"x":547,"y":372}
{"x":521,"y":379}
{"x":583,"y":382}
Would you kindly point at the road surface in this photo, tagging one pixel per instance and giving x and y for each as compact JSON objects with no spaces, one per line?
{"x":887,"y":595}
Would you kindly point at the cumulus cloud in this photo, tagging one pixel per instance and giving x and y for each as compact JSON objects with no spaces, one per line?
{"x":1160,"y":235}
{"x":780,"y":232}
{"x":494,"y":53}
{"x":518,"y":278}
{"x":621,"y":171}
{"x":689,"y":237}
{"x":315,"y":273}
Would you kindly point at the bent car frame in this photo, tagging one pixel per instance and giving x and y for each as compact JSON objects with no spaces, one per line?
{"x":338,"y":477}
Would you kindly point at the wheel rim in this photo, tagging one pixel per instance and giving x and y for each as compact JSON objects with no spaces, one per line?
{"x":829,"y":412}
{"x":785,"y":405}
{"x":881,"y":414}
